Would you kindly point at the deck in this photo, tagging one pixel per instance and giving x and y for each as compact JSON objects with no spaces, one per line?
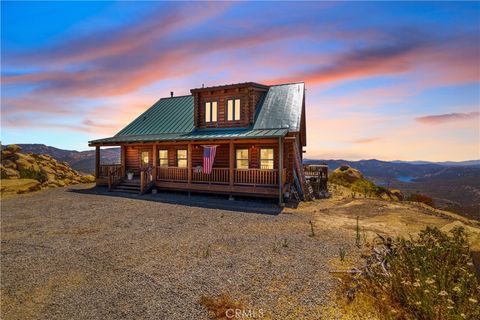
{"x":258,"y":182}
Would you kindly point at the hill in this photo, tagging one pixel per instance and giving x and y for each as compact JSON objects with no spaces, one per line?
{"x":454,"y":187}
{"x":82,"y":161}
{"x":22,"y":173}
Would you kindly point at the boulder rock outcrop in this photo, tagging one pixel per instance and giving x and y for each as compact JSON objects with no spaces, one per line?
{"x":42,"y":168}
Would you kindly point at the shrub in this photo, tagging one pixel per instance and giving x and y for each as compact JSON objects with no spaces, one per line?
{"x":428,"y":278}
{"x":417,"y":197}
{"x":28,"y":174}
{"x":218,"y":306}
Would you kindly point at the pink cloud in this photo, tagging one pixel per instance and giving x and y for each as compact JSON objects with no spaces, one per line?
{"x":366,"y":140}
{"x":449,"y":117}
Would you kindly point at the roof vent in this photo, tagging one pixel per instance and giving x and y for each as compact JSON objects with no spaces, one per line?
{"x":171,"y":94}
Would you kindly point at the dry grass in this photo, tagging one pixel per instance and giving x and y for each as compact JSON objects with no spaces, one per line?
{"x":11,"y":187}
{"x":221,"y":307}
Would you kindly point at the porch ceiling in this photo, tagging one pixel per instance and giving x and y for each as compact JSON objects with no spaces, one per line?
{"x":196,"y":135}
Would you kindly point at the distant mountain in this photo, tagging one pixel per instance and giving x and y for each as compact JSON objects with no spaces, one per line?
{"x":445,"y":163}
{"x":83,"y":161}
{"x":455,"y":186}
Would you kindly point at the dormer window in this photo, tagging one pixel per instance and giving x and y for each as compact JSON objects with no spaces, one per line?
{"x":211,"y":111}
{"x":233,"y":109}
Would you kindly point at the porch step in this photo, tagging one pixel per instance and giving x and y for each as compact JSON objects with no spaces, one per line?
{"x":130,"y":186}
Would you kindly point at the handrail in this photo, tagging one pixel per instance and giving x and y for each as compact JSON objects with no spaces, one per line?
{"x":104,"y":169}
{"x":256,"y":177}
{"x":174,"y":174}
{"x":146,"y":178}
{"x":114,"y":175}
{"x":216,"y":176}
{"x":265,"y":177}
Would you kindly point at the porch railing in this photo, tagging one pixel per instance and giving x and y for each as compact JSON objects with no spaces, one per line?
{"x":173,"y":174}
{"x":218,"y":175}
{"x":104,"y":169}
{"x":146,"y":178}
{"x":264,"y":177}
{"x":256,"y":177}
{"x":114,"y":175}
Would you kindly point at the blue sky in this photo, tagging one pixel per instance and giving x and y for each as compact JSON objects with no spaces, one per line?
{"x":384,"y":80}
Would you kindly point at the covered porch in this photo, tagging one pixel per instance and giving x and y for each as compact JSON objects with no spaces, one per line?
{"x":241,"y":167}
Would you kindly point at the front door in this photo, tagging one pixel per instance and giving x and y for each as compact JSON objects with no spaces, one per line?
{"x":145,"y":158}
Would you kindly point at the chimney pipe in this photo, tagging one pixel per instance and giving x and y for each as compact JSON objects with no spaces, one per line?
{"x":171,"y":94}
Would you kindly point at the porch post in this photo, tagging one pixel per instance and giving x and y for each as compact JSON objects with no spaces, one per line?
{"x":189,"y":163}
{"x":97,"y":161}
{"x":154,"y":162}
{"x":123,"y":156}
{"x":231,"y":165}
{"x":280,"y":171}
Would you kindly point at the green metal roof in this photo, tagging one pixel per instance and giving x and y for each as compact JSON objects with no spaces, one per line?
{"x":171,"y":119}
{"x":198,"y":135}
{"x":168,"y":115}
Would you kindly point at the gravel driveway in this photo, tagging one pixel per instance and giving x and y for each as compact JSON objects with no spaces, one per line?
{"x":83,"y":253}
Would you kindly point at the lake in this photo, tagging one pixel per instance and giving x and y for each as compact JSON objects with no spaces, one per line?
{"x":405,"y":178}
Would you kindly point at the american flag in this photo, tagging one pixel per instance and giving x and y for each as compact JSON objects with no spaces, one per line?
{"x":208,"y":158}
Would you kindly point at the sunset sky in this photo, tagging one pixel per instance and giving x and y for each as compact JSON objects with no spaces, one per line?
{"x":383,"y":80}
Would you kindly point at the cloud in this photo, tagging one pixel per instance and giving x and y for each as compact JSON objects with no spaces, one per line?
{"x":366,"y":140}
{"x":449,"y":117}
{"x":442,"y":60}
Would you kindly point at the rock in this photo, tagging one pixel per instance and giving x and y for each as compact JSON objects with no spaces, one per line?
{"x":8,"y":155}
{"x":20,"y":186}
{"x":44,"y":157}
{"x":348,"y":173}
{"x":13,"y":148}
{"x":397,"y":194}
{"x":9,"y":173}
{"x":88,"y":179}
{"x":26,"y":162}
{"x":9,"y":164}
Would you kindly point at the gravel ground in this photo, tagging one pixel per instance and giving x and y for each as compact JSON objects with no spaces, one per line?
{"x":83,"y":253}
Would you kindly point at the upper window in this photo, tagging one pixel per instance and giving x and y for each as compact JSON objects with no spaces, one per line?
{"x":233,"y":109}
{"x":242,"y":158}
{"x":163,"y":158}
{"x":266,"y":158}
{"x":211,"y":111}
{"x":181,"y":158}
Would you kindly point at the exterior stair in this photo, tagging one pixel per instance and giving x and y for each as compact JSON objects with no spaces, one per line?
{"x":128,"y":186}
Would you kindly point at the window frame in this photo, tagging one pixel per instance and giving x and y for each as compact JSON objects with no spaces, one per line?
{"x":209,"y":105}
{"x":160,"y":158}
{"x":242,"y":159}
{"x":235,"y":108}
{"x":182,"y":159}
{"x":269,"y":160}
{"x":142,"y":163}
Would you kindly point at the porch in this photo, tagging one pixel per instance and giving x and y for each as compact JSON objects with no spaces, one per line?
{"x":179,"y":166}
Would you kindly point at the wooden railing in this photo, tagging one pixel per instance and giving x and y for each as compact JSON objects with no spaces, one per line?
{"x":256,"y":177}
{"x":146,"y":178}
{"x":114,"y":174}
{"x":266,"y":177}
{"x":172,"y":174}
{"x":104,"y":169}
{"x":218,"y":175}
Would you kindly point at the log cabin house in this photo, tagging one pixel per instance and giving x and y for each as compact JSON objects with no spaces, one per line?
{"x":259,"y":132}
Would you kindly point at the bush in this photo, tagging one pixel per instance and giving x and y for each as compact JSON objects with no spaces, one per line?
{"x":428,"y":278}
{"x":417,"y":197}
{"x":28,"y":174}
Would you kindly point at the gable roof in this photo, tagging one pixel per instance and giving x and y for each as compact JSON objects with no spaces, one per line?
{"x":278,"y":112}
{"x":167,"y":115}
